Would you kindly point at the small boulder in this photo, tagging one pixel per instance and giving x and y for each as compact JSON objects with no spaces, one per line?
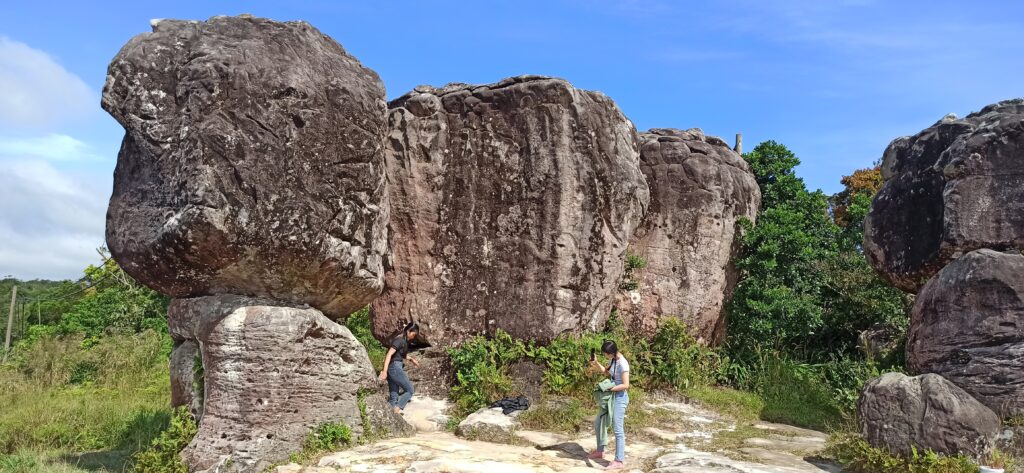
{"x":967,"y":325}
{"x":897,"y":413}
{"x":488,"y":425}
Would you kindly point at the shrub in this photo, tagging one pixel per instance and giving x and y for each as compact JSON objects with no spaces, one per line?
{"x":162,"y":454}
{"x":480,"y":364}
{"x":857,"y":456}
{"x":328,"y":436}
{"x":673,"y":358}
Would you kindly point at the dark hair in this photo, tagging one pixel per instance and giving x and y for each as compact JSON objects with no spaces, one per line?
{"x":610,"y":348}
{"x":410,"y":327}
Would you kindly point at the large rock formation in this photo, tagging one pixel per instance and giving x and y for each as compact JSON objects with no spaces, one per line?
{"x":252,"y":163}
{"x":952,"y":188}
{"x":968,"y":325}
{"x":699,"y":189}
{"x":250,"y":186}
{"x":898,"y":413}
{"x":512,"y":204}
{"x":272,"y":374}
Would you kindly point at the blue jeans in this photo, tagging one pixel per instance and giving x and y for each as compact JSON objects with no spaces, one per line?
{"x":619,"y":404}
{"x":619,"y":424}
{"x":399,"y":381}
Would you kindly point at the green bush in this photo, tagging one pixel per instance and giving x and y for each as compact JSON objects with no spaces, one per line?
{"x":328,"y":436}
{"x":480,"y":364}
{"x":673,"y":358}
{"x":162,"y":454}
{"x":857,"y":456}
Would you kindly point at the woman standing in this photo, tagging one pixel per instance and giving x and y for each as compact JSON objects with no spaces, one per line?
{"x":618,"y":371}
{"x":400,"y":389}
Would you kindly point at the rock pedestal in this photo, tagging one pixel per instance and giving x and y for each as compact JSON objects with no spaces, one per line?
{"x":512,"y":204}
{"x":898,"y":413}
{"x":699,"y":189}
{"x":967,"y":325}
{"x":273,"y":374}
{"x":252,"y":163}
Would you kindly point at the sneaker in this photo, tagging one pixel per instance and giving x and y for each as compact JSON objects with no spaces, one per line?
{"x":615,"y":465}
{"x":596,"y":455}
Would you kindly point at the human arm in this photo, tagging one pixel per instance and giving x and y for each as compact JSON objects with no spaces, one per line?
{"x":414,"y":361}
{"x":625,"y":383}
{"x":600,"y":368}
{"x":387,"y":363}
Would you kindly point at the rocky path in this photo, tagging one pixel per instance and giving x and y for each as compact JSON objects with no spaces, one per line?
{"x":695,"y":440}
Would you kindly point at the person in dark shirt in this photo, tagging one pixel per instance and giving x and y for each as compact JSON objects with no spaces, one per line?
{"x":400,"y":389}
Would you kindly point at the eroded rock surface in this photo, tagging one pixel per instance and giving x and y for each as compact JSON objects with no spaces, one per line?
{"x":252,"y":163}
{"x":967,"y":325}
{"x":898,"y":412}
{"x":185,"y":388}
{"x":272,"y":374}
{"x":699,"y":189}
{"x":955,"y":187}
{"x":512,"y":204}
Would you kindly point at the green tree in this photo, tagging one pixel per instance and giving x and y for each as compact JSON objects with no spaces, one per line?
{"x":114,"y":303}
{"x":778,"y":301}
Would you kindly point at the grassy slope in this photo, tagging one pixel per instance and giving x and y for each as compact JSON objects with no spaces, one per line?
{"x":93,"y":407}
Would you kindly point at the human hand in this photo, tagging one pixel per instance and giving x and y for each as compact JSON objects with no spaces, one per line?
{"x":414,"y":362}
{"x":383,"y":376}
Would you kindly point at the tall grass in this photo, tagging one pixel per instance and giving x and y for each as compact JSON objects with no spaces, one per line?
{"x":57,"y":395}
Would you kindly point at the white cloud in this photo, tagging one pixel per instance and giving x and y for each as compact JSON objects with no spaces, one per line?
{"x":36,"y":91}
{"x":52,"y":147}
{"x":52,"y":219}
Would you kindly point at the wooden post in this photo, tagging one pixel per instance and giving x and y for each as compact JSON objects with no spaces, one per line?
{"x":10,"y":322}
{"x":739,"y":144}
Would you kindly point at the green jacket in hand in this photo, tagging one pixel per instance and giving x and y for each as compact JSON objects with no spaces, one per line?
{"x":604,"y":397}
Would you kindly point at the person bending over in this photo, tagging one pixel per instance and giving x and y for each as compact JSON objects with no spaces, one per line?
{"x":400,"y":389}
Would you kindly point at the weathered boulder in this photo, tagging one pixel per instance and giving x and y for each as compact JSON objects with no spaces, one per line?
{"x":488,"y":425}
{"x":897,"y":412}
{"x":954,"y":187}
{"x":272,"y":374}
{"x":699,"y":189}
{"x":967,"y":325}
{"x":511,"y":207}
{"x":252,"y":163}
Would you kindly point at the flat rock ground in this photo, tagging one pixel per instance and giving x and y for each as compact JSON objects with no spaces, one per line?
{"x":681,"y":438}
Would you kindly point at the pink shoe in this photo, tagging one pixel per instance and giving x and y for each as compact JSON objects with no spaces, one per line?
{"x":615,"y":465}
{"x":596,"y":455}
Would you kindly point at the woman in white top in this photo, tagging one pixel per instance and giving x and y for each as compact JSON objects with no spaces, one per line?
{"x":618,"y":371}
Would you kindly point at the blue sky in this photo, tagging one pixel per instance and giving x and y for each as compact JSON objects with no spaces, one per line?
{"x":833,"y":80}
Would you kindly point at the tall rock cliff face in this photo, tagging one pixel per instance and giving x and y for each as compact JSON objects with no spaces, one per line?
{"x":252,"y":175}
{"x":252,"y":163}
{"x":699,"y":189}
{"x":512,"y":205}
{"x":954,"y":187}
